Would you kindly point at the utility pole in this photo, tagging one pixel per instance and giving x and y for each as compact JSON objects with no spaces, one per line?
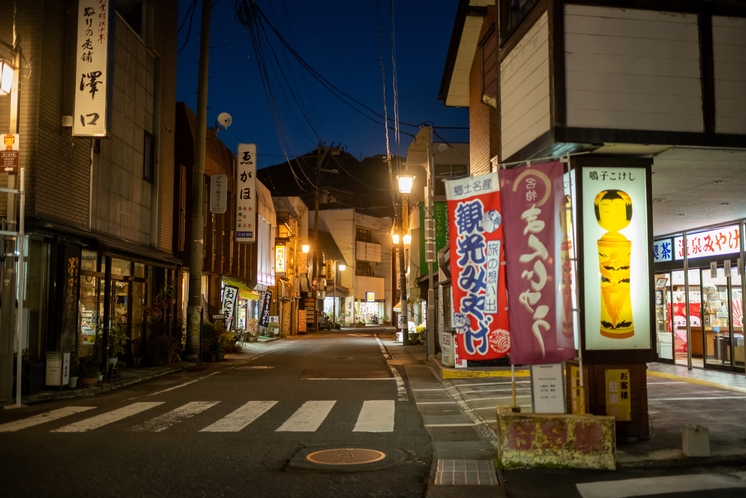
{"x":403,"y":277}
{"x":194,"y":308}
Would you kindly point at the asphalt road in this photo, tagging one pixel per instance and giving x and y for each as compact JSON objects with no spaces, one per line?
{"x":230,"y":429}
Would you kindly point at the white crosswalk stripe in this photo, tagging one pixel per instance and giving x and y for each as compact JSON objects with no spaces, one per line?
{"x":166,"y":420}
{"x":239,"y":419}
{"x":92,"y":423}
{"x":43,"y":418}
{"x":307,"y":418}
{"x":376,"y":416}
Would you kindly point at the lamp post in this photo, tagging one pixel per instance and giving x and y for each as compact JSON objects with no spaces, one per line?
{"x":337,"y":267}
{"x":405,"y":181}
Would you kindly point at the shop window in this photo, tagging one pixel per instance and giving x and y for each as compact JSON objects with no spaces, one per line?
{"x":89,"y":261}
{"x":120,"y":267}
{"x":364,"y":235}
{"x":363,"y":269}
{"x":512,"y":13}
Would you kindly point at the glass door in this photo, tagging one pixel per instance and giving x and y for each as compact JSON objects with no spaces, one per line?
{"x":680,"y":317}
{"x":716,"y":305}
{"x":737,"y":345}
{"x":663,"y":327}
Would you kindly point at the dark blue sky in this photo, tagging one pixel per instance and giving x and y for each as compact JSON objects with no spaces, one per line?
{"x":339,"y":40}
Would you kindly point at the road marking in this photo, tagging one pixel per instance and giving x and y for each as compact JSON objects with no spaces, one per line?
{"x":43,"y":418}
{"x":435,"y":402}
{"x":185,"y":384}
{"x":696,"y":381}
{"x":421,"y":390}
{"x":649,"y":486}
{"x":109,"y":417}
{"x":308,"y":417}
{"x":349,"y":378}
{"x":376,"y":416}
{"x":400,"y":388}
{"x":470,"y":424}
{"x":240,"y":418}
{"x":163,"y":422}
{"x":699,"y":398}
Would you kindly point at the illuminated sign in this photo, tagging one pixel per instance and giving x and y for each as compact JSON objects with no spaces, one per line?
{"x":710,"y":243}
{"x":662,"y":251}
{"x":246,"y":193}
{"x":616,"y":253}
{"x":280,"y":259}
{"x":92,"y":69}
{"x":370,"y":297}
{"x":618,"y":394}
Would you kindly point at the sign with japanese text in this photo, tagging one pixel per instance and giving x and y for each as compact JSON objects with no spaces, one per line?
{"x":577,"y":397}
{"x":662,"y":251}
{"x":302,"y":262}
{"x":9,"y":153}
{"x":370,"y":297}
{"x":218,"y":194}
{"x":535,"y":224}
{"x":264,"y":313}
{"x":246,"y":193}
{"x":616,"y":258}
{"x":618,"y":391}
{"x":92,"y":69}
{"x":480,"y":306}
{"x":302,"y":321}
{"x":280,"y":259}
{"x":547,"y":388}
{"x":329,"y":269}
{"x":230,"y":297}
{"x":710,"y":243}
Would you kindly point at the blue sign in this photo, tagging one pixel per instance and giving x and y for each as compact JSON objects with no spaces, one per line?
{"x":662,"y":250}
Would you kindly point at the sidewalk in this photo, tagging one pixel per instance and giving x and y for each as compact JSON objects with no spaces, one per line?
{"x":676,"y":397}
{"x":129,"y":376}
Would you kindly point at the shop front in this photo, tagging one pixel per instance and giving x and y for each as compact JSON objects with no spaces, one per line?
{"x":699,"y":298}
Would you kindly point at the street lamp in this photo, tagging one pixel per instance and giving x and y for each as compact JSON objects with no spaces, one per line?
{"x":338,"y":267}
{"x":405,"y":181}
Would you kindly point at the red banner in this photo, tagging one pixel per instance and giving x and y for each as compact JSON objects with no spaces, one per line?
{"x":536,"y":245}
{"x":477,"y":268}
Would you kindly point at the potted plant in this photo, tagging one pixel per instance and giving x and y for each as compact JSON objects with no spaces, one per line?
{"x":74,"y":370}
{"x":210,"y":339}
{"x":90,"y":366}
{"x":117,"y":344}
{"x":226,"y":344}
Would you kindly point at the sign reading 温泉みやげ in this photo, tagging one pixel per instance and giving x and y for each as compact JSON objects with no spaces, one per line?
{"x":480,"y":315}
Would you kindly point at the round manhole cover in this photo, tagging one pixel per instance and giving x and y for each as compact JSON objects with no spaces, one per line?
{"x":254,"y":367}
{"x":345,"y":456}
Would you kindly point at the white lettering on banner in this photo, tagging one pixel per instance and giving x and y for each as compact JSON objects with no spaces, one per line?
{"x":246,"y":193}
{"x":493,"y":271}
{"x":91,"y":69}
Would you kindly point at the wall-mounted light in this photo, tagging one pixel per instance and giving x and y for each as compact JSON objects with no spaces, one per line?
{"x":305,"y":248}
{"x":405,"y":183}
{"x":407,"y":239}
{"x":7,"y":72}
{"x":342,"y":267}
{"x":395,"y":238}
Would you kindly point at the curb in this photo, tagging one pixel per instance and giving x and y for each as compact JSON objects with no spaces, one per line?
{"x":447,"y":373}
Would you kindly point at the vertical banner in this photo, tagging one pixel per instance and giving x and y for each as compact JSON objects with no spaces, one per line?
{"x":230,"y":297}
{"x":616,"y":258}
{"x":91,"y":69}
{"x":477,"y":270}
{"x":264,"y":314}
{"x":535,"y":213}
{"x":218,"y":194}
{"x":246,"y":193}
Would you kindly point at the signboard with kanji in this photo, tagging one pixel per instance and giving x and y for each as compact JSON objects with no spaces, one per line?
{"x":92,"y":69}
{"x":218,"y":194}
{"x":577,"y":397}
{"x":246,"y":193}
{"x":618,"y":394}
{"x":547,"y":388}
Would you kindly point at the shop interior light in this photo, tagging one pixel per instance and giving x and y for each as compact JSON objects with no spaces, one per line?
{"x":7,"y":72}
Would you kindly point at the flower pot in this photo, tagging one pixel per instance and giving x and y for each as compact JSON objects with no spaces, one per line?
{"x":88,"y":381}
{"x":73,"y":382}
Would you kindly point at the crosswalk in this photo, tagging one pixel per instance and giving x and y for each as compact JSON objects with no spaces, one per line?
{"x":373,"y":416}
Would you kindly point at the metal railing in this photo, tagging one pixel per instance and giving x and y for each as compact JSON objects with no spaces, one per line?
{"x":451,"y":135}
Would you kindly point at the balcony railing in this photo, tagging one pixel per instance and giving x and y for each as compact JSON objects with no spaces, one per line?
{"x":451,"y":135}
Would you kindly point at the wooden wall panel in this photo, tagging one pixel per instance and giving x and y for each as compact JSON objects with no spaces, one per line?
{"x":632,"y":69}
{"x":524,"y":89}
{"x":729,"y":47}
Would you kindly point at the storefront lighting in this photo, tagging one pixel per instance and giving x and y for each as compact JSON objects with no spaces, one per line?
{"x":7,"y":72}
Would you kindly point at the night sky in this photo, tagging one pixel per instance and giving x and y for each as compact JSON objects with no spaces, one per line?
{"x":338,"y":40}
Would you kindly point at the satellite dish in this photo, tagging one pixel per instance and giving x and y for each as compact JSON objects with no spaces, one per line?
{"x":225,"y":119}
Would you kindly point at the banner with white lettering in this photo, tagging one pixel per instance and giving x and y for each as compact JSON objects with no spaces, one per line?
{"x":534,"y":202}
{"x":480,"y":314}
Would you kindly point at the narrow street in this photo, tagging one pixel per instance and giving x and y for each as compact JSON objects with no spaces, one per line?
{"x":229,"y":429}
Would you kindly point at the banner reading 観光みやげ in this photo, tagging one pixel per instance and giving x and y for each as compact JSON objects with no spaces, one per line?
{"x":534,"y":202}
{"x":480,"y":314}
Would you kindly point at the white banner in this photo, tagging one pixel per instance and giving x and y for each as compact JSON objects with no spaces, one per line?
{"x":230,"y":298}
{"x":91,"y":69}
{"x":246,"y":193}
{"x":218,"y":194}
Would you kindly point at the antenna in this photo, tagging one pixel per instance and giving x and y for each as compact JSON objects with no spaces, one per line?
{"x":224,"y":121}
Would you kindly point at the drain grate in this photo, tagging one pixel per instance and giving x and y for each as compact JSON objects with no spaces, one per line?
{"x":345,"y":456}
{"x":466,"y":472}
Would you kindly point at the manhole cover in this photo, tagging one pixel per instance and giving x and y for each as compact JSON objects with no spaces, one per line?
{"x":254,"y":367}
{"x":345,"y":456}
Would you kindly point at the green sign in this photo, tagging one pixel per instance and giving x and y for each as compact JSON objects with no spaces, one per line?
{"x":440,"y":213}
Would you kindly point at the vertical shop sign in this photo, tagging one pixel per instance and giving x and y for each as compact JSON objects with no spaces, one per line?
{"x":477,"y":268}
{"x":302,"y":321}
{"x":92,"y":69}
{"x":577,"y":399}
{"x":9,"y":153}
{"x":246,"y":193}
{"x":616,"y":258}
{"x":534,"y":212}
{"x":218,"y":194}
{"x":280,"y":259}
{"x":618,"y":402}
{"x":230,"y":296}
{"x":264,"y":314}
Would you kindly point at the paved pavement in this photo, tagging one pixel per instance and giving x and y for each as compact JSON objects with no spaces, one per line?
{"x":458,"y":410}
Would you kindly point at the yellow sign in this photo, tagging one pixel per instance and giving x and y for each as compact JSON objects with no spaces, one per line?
{"x":329,"y":269}
{"x":618,"y":394}
{"x":302,"y":262}
{"x":370,"y":297}
{"x":577,"y":396}
{"x":280,"y":259}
